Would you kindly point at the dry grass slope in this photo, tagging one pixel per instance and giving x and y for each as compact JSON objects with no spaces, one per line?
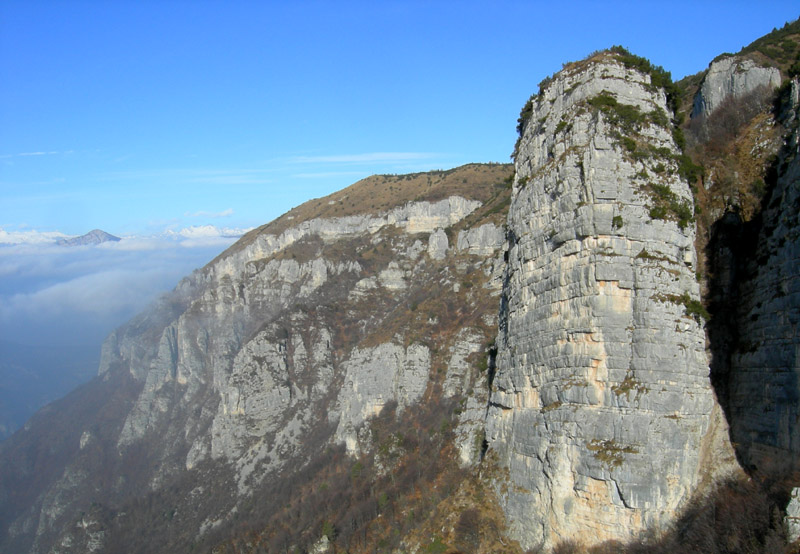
{"x":381,"y":193}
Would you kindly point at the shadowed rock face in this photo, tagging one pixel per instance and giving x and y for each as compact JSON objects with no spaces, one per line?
{"x":756,"y":306}
{"x":602,"y":401}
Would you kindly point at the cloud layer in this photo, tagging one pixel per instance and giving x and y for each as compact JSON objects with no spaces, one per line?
{"x":68,"y":295}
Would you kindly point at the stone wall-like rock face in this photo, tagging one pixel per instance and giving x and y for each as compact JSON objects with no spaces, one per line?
{"x":601,"y":401}
{"x":374,"y":377}
{"x":732,"y":77}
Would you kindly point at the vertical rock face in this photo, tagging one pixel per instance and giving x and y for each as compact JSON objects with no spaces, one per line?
{"x":758,"y":267}
{"x":601,"y":401}
{"x":732,"y":77}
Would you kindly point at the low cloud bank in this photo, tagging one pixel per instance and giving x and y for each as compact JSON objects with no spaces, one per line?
{"x":76,"y":295}
{"x":58,"y":303}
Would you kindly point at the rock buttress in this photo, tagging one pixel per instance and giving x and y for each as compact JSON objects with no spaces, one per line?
{"x":601,"y":405}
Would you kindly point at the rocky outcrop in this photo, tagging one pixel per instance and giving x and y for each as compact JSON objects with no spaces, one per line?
{"x":483,"y":240}
{"x":792,"y":519}
{"x":601,"y":403}
{"x":732,"y":77}
{"x":414,"y":217}
{"x":374,"y":377}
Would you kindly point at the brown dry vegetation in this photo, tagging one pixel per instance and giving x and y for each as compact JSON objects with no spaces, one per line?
{"x":400,"y":494}
{"x":736,"y":145}
{"x":410,"y":479}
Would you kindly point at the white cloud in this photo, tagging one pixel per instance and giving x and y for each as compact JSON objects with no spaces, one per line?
{"x":49,"y":292}
{"x":24,"y":154}
{"x":30,"y":237}
{"x":101,"y":293}
{"x":206,"y":231}
{"x":167,"y":239}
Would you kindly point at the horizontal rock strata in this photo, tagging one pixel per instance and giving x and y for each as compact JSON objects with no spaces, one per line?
{"x":602,"y":399}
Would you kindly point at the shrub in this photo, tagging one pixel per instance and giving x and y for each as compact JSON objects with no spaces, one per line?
{"x":627,"y":117}
{"x":328,"y":530}
{"x":525,"y":116}
{"x":695,"y":309}
{"x":628,"y":143}
{"x":467,"y":530}
{"x":436,"y":546}
{"x":659,"y":77}
{"x":667,"y":205}
{"x":689,"y":170}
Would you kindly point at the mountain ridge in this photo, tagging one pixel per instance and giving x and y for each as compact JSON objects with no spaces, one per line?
{"x":413,"y":359}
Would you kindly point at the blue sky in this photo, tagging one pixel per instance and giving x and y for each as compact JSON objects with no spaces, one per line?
{"x":139,"y":116}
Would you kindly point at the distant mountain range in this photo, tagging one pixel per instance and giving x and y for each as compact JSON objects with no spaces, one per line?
{"x":95,"y":236}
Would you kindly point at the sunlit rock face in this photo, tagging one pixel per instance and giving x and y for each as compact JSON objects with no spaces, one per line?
{"x":601,"y":403}
{"x":281,"y":349}
{"x":254,"y":342}
{"x":732,"y":77}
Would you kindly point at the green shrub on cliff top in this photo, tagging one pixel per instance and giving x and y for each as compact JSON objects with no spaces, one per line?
{"x":626,"y":116}
{"x":659,"y":77}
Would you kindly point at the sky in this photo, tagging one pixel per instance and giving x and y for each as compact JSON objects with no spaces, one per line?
{"x":177,"y":125}
{"x":135,"y":117}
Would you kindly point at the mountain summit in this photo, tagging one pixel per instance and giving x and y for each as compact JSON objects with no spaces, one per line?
{"x":95,"y":236}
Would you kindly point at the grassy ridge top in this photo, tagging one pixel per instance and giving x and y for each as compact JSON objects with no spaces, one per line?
{"x":381,"y":193}
{"x":780,"y":48}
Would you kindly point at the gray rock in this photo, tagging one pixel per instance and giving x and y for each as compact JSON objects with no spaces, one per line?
{"x":792,"y":518}
{"x":459,"y":369}
{"x":732,"y":77}
{"x":601,"y":401}
{"x":482,"y":241}
{"x":374,"y":377}
{"x":414,"y":217}
{"x":763,"y":299}
{"x":437,"y":245}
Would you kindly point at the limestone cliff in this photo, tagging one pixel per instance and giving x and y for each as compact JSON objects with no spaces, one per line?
{"x":731,"y":78}
{"x":281,"y":348}
{"x":601,"y":406}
